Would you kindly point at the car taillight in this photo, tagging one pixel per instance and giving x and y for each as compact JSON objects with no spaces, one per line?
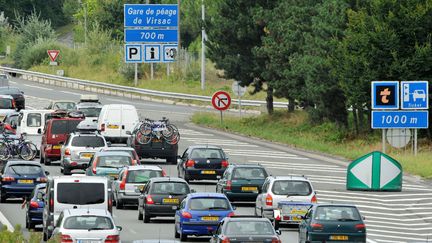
{"x":102,"y":127}
{"x":94,"y":166}
{"x":149,"y":200}
{"x":231,"y":214}
{"x":51,"y":205}
{"x":314,"y":199}
{"x":34,"y":204}
{"x":225,"y":163}
{"x":228,"y":185}
{"x":316,"y":226}
{"x":163,"y":173}
{"x":278,"y":217}
{"x":48,"y":147}
{"x":186,"y":215}
{"x":225,"y":240}
{"x":190,"y":163}
{"x":110,"y":204}
{"x":67,"y":152}
{"x":112,"y":239}
{"x":360,"y":226}
{"x":66,"y":238}
{"x":123,"y":182}
{"x":269,"y":200}
{"x":8,"y":178}
{"x":42,"y":179}
{"x":276,"y":240}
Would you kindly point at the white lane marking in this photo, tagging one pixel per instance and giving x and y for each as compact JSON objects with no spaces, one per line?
{"x":381,"y":222}
{"x":370,"y":241}
{"x":132,"y":231}
{"x":366,"y":200}
{"x":393,"y":219}
{"x":37,"y":87}
{"x":403,"y":228}
{"x":214,"y":140}
{"x":395,"y":215}
{"x":260,"y":152}
{"x":6,"y":222}
{"x":30,"y":107}
{"x":400,"y":233}
{"x":391,"y":241}
{"x":267,"y":156}
{"x":303,"y":167}
{"x":71,"y":93}
{"x":131,"y":102}
{"x":170,"y":112}
{"x":296,"y":164}
{"x":355,"y":199}
{"x":399,"y":194}
{"x":12,"y":82}
{"x":392,"y":236}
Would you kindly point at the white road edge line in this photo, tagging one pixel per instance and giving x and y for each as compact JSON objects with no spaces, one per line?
{"x":370,"y":241}
{"x":37,"y":87}
{"x":6,"y":222}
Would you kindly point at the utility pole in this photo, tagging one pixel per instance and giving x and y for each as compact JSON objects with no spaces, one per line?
{"x":85,"y":22}
{"x":202,"y":47}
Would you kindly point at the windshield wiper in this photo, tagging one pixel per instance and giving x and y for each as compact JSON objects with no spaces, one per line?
{"x":90,"y":229}
{"x":217,"y":208}
{"x":12,"y":168}
{"x":347,"y":220}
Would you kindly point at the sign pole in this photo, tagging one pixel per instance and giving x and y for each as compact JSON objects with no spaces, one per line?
{"x":136,"y":75}
{"x":168,"y":69}
{"x":221,"y":118}
{"x":202,"y":48}
{"x":383,"y":141}
{"x":415,"y":142}
{"x":151,"y":71}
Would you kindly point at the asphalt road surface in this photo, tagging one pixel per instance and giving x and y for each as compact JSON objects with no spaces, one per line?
{"x":390,"y":216}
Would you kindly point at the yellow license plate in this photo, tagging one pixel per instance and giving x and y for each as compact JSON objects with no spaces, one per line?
{"x":296,"y":218}
{"x":208,"y":172}
{"x":249,"y":188}
{"x":56,"y":146}
{"x":113,"y":126}
{"x":25,"y":181}
{"x":210,"y":218}
{"x":339,"y":237}
{"x":86,"y":155}
{"x":299,"y":212}
{"x":113,"y":175}
{"x":170,"y":200}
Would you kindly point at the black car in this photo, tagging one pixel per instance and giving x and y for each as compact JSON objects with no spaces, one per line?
{"x":161,"y":197}
{"x":242,"y":182}
{"x":245,"y":229}
{"x":17,"y":95}
{"x":34,"y":206}
{"x":202,"y":162}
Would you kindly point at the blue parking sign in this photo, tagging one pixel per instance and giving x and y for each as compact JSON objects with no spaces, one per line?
{"x":414,"y":94}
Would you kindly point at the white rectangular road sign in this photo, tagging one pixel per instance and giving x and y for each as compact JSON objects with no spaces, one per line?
{"x":152,"y":53}
{"x":133,"y":53}
{"x":170,"y":53}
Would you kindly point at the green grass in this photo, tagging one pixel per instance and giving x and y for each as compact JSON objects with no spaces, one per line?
{"x":295,"y":130}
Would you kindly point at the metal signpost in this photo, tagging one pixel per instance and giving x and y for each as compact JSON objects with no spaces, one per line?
{"x":221,"y":101}
{"x":239,"y":91}
{"x":53,"y":54}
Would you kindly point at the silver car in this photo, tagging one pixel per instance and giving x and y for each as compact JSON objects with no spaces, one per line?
{"x":86,"y":225}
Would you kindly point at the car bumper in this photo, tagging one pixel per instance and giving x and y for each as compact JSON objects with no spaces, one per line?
{"x":161,"y":210}
{"x":199,"y":228}
{"x":75,"y":164}
{"x":128,"y":199}
{"x":52,"y":154}
{"x":161,"y":150}
{"x":17,"y":191}
{"x":197,"y":174}
{"x":241,"y":196}
{"x":352,"y":237}
{"x":36,"y":216}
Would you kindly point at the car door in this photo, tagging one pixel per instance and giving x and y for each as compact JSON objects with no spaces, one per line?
{"x":116,"y":184}
{"x":222,"y":182}
{"x":261,"y":197}
{"x":142,"y":197}
{"x":304,"y":224}
{"x":184,"y":158}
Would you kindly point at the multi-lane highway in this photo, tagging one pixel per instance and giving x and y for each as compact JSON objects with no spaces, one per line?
{"x":390,"y":216}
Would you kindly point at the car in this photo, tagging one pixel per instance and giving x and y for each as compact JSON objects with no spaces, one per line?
{"x":202,"y":162}
{"x":4,"y":80}
{"x":242,"y":182}
{"x":131,"y":179}
{"x":108,"y":164}
{"x":17,"y":95}
{"x":12,"y":119}
{"x":90,"y":106}
{"x":34,"y":205}
{"x":332,"y":222}
{"x":7,"y":106}
{"x":19,"y":178}
{"x":200,"y":213}
{"x":245,"y":229}
{"x":161,"y":197}
{"x":66,"y":105}
{"x":116,"y":122}
{"x":87,"y":225}
{"x":129,"y":150}
{"x":29,"y":122}
{"x":283,"y":188}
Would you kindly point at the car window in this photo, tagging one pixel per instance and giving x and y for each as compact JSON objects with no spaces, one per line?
{"x":142,"y":176}
{"x":183,"y":204}
{"x":13,"y":120}
{"x":86,"y":222}
{"x":207,"y":153}
{"x":249,"y":228}
{"x":114,"y":161}
{"x":22,"y":169}
{"x":249,"y":173}
{"x":34,"y":120}
{"x":209,"y":203}
{"x":6,"y":103}
{"x":80,"y":193}
{"x":7,"y":90}
{"x":64,"y":106}
{"x":169,"y":188}
{"x":130,"y":152}
{"x":60,"y":219}
{"x":290,"y":187}
{"x":88,"y":141}
{"x":91,"y":111}
{"x":3,"y":76}
{"x":339,"y":213}
{"x":64,"y":126}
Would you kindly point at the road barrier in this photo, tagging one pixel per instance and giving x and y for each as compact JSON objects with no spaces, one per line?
{"x":118,"y":90}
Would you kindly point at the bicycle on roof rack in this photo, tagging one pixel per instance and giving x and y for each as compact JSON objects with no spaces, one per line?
{"x":162,"y":129}
{"x":10,"y":147}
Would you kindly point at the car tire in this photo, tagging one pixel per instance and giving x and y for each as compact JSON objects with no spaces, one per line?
{"x":45,"y":236}
{"x":3,"y":198}
{"x":119,"y":204}
{"x":146,"y":218}
{"x":176,"y":233}
{"x":42,"y":160}
{"x":140,"y":215}
{"x":29,"y":224}
{"x":171,"y":160}
{"x":47,"y":161}
{"x":66,"y":171}
{"x":183,"y":237}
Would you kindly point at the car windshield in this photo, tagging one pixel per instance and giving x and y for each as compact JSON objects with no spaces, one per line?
{"x":88,"y":141}
{"x":130,"y":152}
{"x":3,"y":76}
{"x":142,"y":176}
{"x":169,"y":188}
{"x":249,"y":228}
{"x":291,"y":188}
{"x":6,"y":91}
{"x":6,"y":103}
{"x":88,"y":222}
{"x":338,"y":213}
{"x":114,"y":161}
{"x":91,"y":111}
{"x":209,"y":203}
{"x":22,"y":169}
{"x":207,"y":153}
{"x":64,"y":106}
{"x":81,"y":193}
{"x":64,"y":126}
{"x":249,"y":173}
{"x":34,"y":120}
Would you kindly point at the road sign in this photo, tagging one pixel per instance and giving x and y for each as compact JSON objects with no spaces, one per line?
{"x":151,"y":36}
{"x":53,"y":54}
{"x":169,"y":53}
{"x":152,"y":53}
{"x":237,"y":89}
{"x":375,"y":171}
{"x":151,"y":15}
{"x":400,"y":119}
{"x":385,"y":95}
{"x":398,"y":138}
{"x":221,"y":100}
{"x":414,"y":95}
{"x":133,"y":53}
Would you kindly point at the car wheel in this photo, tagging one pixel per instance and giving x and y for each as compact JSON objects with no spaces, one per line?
{"x":27,"y":222}
{"x":119,"y":204}
{"x":276,"y":224}
{"x":42,"y":160}
{"x":30,"y":225}
{"x":66,"y":171}
{"x":146,"y":218}
{"x":47,"y":161}
{"x":140,"y":215}
{"x":45,"y":236}
{"x":183,"y":237}
{"x":3,"y":198}
{"x":176,"y":233}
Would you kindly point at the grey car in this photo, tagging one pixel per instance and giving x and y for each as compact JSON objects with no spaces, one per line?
{"x":91,"y":110}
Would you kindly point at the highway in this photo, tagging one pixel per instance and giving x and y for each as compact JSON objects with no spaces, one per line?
{"x":390,"y":216}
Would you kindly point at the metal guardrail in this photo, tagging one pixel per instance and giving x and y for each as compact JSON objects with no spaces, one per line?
{"x":118,"y":90}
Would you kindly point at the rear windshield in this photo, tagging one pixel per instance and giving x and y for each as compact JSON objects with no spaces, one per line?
{"x":292,"y":188}
{"x":80,"y":193}
{"x":130,"y":152}
{"x":6,"y":91}
{"x":6,"y":103}
{"x":249,"y":228}
{"x":209,"y":204}
{"x":249,"y":173}
{"x":64,"y":106}
{"x":207,"y":153}
{"x":114,"y":161}
{"x":64,"y":126}
{"x":34,"y":120}
{"x":88,"y":141}
{"x":88,"y":222}
{"x":339,"y":213}
{"x":24,"y":169}
{"x":91,"y":111}
{"x":169,"y":188}
{"x":142,"y":176}
{"x":3,"y":76}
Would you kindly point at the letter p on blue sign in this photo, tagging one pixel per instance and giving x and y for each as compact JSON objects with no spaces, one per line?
{"x":133,"y":53}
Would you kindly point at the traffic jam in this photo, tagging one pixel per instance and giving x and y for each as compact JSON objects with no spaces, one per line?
{"x":103,"y":154}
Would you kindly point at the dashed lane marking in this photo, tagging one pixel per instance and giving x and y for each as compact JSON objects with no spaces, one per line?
{"x":37,"y":87}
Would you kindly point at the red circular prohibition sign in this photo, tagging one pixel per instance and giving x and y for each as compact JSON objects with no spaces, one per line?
{"x":221,"y":100}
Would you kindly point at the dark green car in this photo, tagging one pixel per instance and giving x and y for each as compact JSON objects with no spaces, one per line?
{"x":332,"y":222}
{"x":242,"y":182}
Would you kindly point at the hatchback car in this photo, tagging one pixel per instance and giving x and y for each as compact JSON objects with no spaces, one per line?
{"x":66,"y":105}
{"x":91,"y":110}
{"x":332,"y":222}
{"x":242,"y":182}
{"x":202,"y":162}
{"x":131,"y":151}
{"x":131,"y":181}
{"x":87,"y":225}
{"x":283,"y":188}
{"x":19,"y":178}
{"x":245,"y":229}
{"x":7,"y":106}
{"x":17,"y":95}
{"x":108,"y":164}
{"x":161,"y":197}
{"x":200,"y":214}
{"x":34,"y":206}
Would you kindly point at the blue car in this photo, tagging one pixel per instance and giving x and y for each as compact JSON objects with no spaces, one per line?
{"x":19,"y":178}
{"x":34,"y":206}
{"x":200,"y":213}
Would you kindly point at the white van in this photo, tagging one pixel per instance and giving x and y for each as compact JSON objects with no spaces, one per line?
{"x":115,"y":120}
{"x":29,"y":122}
{"x":69,"y":192}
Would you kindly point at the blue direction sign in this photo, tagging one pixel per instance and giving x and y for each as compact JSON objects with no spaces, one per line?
{"x":151,"y":36}
{"x":414,"y":95}
{"x":151,"y":15}
{"x":385,"y":95}
{"x":400,"y":119}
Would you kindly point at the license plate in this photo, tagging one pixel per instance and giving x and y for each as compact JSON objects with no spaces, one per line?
{"x":86,"y":155}
{"x":296,"y":218}
{"x":170,"y":200}
{"x":210,"y":218}
{"x":339,"y":237}
{"x":208,"y":172}
{"x":88,"y":241}
{"x":56,"y":146}
{"x":140,"y":187}
{"x":113,"y":126}
{"x":249,"y":188}
{"x":25,"y":181}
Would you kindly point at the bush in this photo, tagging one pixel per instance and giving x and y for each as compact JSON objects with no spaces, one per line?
{"x":36,"y":53}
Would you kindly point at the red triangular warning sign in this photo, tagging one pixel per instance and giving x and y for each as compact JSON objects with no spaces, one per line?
{"x":53,"y":54}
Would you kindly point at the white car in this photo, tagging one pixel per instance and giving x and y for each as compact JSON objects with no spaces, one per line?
{"x":419,"y":94}
{"x":86,"y":225}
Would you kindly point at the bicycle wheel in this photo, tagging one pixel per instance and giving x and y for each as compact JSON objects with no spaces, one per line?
{"x":143,"y":139}
{"x":173,"y":140}
{"x":4,"y":151}
{"x":145,"y":129}
{"x":170,"y":132}
{"x":34,"y":149}
{"x":25,"y":152}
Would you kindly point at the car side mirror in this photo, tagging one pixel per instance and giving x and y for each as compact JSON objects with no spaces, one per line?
{"x":363,"y":217}
{"x":14,"y":126}
{"x":192,"y":190}
{"x":128,"y":133}
{"x":47,"y":172}
{"x":22,"y":92}
{"x":234,"y":207}
{"x":109,"y":144}
{"x":119,"y":228}
{"x":40,"y":196}
{"x":179,"y":161}
{"x":278,"y":232}
{"x":39,"y":131}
